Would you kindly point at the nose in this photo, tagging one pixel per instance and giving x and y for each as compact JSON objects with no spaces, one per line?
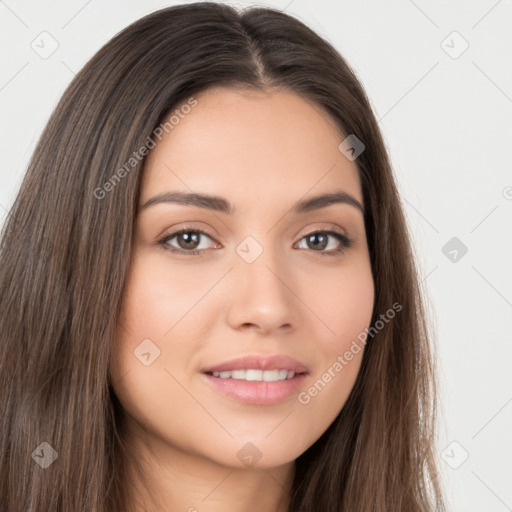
{"x":262,"y":297}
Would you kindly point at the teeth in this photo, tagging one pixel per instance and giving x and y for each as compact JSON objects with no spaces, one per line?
{"x":283,"y":374}
{"x":270,"y":375}
{"x":238,"y":374}
{"x":253,"y":374}
{"x":256,"y":375}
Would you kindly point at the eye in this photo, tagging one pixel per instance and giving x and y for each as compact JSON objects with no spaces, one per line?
{"x":188,"y":241}
{"x":319,"y":241}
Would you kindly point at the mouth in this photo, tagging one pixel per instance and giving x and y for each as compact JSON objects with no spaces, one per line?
{"x":255,"y":375}
{"x":257,"y":380}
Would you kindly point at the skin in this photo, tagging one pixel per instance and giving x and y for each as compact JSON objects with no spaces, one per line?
{"x":262,"y":152}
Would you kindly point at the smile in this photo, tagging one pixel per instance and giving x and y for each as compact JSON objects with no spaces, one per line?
{"x":250,"y":387}
{"x":256,"y":375}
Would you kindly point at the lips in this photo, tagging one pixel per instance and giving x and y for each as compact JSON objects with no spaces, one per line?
{"x":279,"y":362}
{"x":257,"y":380}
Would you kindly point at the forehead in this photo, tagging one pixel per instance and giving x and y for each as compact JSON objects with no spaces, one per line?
{"x":233,"y":142}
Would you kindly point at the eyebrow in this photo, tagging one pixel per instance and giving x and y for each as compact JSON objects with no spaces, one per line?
{"x":222,"y":205}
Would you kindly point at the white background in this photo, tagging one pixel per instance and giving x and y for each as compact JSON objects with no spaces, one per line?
{"x":448,"y":126}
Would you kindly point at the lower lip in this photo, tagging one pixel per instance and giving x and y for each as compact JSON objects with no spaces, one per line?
{"x":257,"y":392}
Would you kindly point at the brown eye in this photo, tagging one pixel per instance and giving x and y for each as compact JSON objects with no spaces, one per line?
{"x":189,"y":240}
{"x":186,"y":241}
{"x":318,"y":241}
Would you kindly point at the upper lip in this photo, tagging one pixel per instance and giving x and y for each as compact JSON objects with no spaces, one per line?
{"x":278,"y":362}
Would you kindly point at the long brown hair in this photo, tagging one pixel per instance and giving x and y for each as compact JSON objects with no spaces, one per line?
{"x":64,"y":256}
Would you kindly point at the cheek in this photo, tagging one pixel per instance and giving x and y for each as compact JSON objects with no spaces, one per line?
{"x":161,"y":316}
{"x":152,"y":305}
{"x":156,"y":299}
{"x":344,"y":304}
{"x":346,"y":307}
{"x":148,"y":366}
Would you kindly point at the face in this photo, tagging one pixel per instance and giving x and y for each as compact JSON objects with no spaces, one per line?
{"x":236,"y":309}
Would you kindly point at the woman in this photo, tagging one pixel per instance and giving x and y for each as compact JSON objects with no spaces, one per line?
{"x":208,"y":298}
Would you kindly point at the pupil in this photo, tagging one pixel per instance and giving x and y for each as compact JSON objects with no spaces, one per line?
{"x":315,"y":237}
{"x":191,"y":240}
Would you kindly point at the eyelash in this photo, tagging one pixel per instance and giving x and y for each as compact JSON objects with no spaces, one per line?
{"x":344,"y":241}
